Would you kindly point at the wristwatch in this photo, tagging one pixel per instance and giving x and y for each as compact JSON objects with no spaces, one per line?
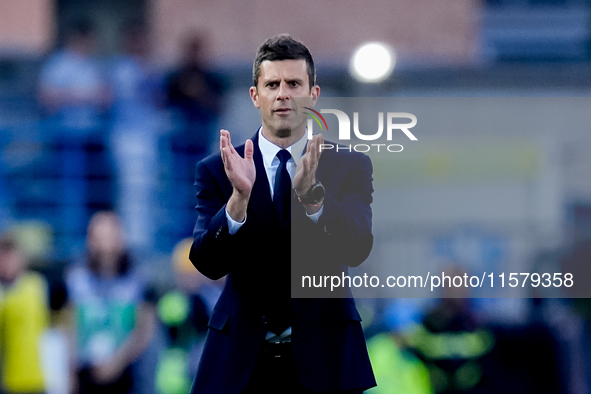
{"x":314,"y":195}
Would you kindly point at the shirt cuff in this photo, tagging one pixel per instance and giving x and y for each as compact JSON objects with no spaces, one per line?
{"x":233,"y":225}
{"x":315,"y":216}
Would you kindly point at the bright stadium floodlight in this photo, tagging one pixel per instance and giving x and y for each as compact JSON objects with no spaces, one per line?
{"x":372,"y":62}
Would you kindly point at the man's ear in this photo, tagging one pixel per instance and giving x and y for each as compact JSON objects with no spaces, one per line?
{"x":315,"y":93}
{"x":254,"y":96}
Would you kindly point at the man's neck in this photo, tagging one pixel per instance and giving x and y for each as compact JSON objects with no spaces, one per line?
{"x":284,"y":142}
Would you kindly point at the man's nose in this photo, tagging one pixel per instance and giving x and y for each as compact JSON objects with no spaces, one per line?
{"x":283,"y":92}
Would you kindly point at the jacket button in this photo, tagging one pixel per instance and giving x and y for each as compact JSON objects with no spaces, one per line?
{"x":264,"y":319}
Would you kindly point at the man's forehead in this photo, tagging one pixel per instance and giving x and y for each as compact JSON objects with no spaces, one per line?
{"x":289,"y":68}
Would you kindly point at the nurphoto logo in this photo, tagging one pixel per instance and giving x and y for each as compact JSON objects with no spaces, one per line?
{"x":392,"y":125}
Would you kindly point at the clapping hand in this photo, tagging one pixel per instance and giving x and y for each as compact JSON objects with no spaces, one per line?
{"x":305,"y":176}
{"x":241,"y":173}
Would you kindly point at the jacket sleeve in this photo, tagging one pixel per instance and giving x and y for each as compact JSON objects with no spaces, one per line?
{"x":343,"y":233}
{"x":212,"y":252}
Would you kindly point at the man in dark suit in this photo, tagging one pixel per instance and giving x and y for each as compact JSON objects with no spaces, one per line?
{"x":270,"y":211}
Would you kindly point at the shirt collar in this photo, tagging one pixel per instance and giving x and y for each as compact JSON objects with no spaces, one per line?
{"x":269,"y":150}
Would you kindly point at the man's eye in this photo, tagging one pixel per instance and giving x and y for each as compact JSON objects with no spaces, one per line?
{"x":272,"y":84}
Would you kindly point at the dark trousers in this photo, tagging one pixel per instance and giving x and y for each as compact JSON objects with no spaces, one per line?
{"x":275,"y":372}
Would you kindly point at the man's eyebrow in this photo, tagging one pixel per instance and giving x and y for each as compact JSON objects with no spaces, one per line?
{"x":299,"y":80}
{"x":288,"y":80}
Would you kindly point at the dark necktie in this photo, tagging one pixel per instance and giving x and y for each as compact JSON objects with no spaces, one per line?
{"x":282,"y":188}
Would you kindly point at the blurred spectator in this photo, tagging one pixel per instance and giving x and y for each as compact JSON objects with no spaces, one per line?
{"x":452,"y":343}
{"x":74,"y":94}
{"x":135,"y":135}
{"x":24,"y":317}
{"x":72,"y":86}
{"x":185,"y":312}
{"x":114,"y":315}
{"x":396,"y":368}
{"x":191,"y":281}
{"x":196,"y":93}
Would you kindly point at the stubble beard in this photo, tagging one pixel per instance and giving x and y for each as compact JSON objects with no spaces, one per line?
{"x":285,"y":130}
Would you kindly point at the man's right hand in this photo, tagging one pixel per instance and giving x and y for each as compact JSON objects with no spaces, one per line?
{"x":241,"y":173}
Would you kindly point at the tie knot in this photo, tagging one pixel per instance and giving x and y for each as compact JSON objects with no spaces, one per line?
{"x":283,"y":155}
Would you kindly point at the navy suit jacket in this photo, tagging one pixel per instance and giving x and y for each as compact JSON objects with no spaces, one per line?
{"x":263,"y":260}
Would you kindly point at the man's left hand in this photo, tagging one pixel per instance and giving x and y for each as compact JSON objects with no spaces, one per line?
{"x":305,"y":176}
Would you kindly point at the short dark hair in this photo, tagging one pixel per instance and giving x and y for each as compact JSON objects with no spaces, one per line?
{"x":283,"y":47}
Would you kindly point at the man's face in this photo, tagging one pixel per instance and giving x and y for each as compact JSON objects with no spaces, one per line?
{"x":279,"y":82}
